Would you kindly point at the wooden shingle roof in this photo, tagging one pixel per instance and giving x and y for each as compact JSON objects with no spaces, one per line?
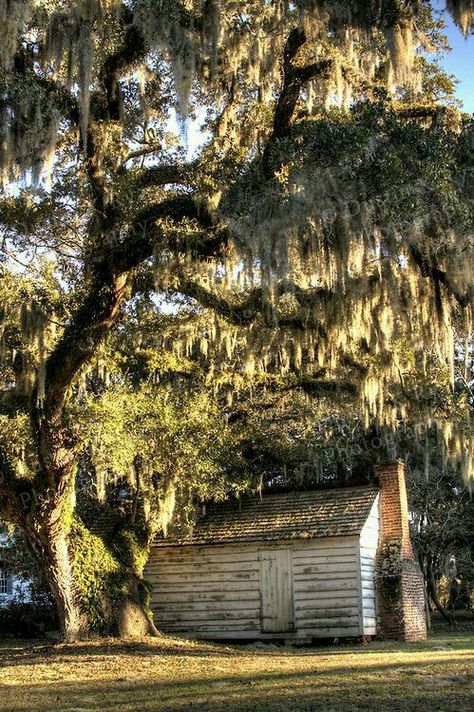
{"x":292,"y":515}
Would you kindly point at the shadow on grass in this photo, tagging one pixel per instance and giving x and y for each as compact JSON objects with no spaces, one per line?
{"x":343,"y":689}
{"x":32,"y":652}
{"x":20,"y":653}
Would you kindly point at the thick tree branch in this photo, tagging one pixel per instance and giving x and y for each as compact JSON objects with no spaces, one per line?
{"x":107,"y":106}
{"x":313,"y":296}
{"x":80,"y":339}
{"x":242,"y":314}
{"x":436,"y":114}
{"x":120,"y":255}
{"x":429,"y":268}
{"x":146,"y":150}
{"x":320,"y":387}
{"x":116,"y":257}
{"x":164,"y":175}
{"x":11,"y":508}
{"x":294,"y":78}
{"x":132,"y":50}
{"x":254,"y":305}
{"x":55,"y":446}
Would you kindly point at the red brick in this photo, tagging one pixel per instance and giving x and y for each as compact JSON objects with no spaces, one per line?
{"x":401,"y":598}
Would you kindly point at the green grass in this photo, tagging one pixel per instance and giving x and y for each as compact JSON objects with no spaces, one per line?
{"x":175,"y":674}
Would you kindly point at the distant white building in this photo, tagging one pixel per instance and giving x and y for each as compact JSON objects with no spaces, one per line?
{"x":13,"y":588}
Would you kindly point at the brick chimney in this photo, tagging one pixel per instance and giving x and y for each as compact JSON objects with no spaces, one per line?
{"x":399,"y":581}
{"x":394,"y":505}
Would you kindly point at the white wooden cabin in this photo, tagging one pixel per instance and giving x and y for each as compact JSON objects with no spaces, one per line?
{"x":297,"y":565}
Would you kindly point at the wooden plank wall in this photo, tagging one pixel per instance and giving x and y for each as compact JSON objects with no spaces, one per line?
{"x":326,"y":588}
{"x":206,"y":590}
{"x":369,"y":539}
{"x":214,"y":591}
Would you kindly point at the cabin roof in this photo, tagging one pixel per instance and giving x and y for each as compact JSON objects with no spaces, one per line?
{"x":291,"y":515}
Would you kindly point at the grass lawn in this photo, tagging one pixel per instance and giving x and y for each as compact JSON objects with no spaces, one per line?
{"x":176,"y":674}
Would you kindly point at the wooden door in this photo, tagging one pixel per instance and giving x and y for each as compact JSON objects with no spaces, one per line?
{"x":276,"y":591}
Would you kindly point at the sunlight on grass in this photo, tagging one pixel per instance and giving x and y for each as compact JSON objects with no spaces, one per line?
{"x":175,"y":674}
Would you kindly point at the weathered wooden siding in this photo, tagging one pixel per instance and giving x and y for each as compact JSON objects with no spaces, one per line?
{"x":369,"y":538}
{"x":216,"y":591}
{"x":207,"y":591}
{"x":326,"y":587}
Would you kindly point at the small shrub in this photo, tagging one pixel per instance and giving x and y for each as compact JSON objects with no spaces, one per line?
{"x":27,"y":620}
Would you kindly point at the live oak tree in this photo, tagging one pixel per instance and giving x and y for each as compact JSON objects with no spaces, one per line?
{"x":325,"y":222}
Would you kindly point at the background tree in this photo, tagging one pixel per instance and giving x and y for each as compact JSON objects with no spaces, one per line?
{"x":443,"y":536}
{"x":328,"y":213}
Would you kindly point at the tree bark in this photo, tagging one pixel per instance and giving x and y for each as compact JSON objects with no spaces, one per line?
{"x":432,"y":589}
{"x":74,"y":624}
{"x":117,"y":610}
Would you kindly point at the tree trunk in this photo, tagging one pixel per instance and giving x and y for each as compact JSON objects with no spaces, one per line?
{"x":432,"y":589}
{"x":73,"y":621}
{"x":427,"y":609}
{"x":97,"y":588}
{"x":95,"y":593}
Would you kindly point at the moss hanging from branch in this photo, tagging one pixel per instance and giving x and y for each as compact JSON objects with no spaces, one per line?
{"x":333,"y":268}
{"x":194,"y":37}
{"x":462,"y":12}
{"x":29,"y":127}
{"x":14,"y":15}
